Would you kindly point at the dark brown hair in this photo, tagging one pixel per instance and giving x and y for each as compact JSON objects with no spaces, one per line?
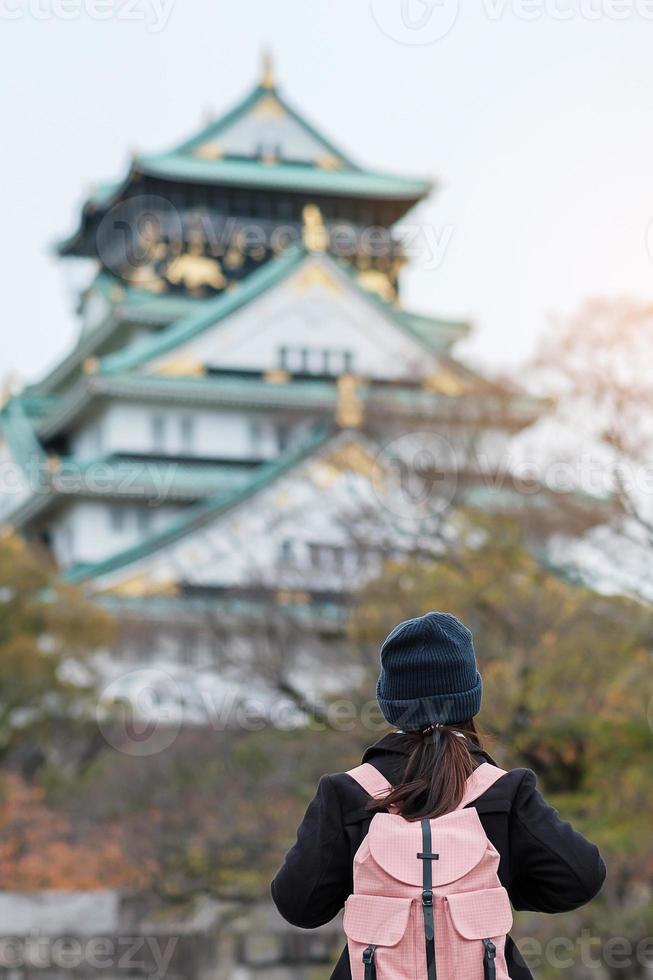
{"x":433,"y":780}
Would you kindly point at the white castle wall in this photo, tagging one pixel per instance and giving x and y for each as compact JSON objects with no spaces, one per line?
{"x":173,"y":430}
{"x":88,"y":530}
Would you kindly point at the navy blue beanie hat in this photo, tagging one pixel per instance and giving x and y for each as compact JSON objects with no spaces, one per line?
{"x":428,"y":673}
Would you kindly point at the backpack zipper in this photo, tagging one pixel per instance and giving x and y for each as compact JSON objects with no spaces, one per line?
{"x":370,"y":965}
{"x":489,"y":968}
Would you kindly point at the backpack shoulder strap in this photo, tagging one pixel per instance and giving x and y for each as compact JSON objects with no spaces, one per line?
{"x":372,"y":781}
{"x":479,"y":782}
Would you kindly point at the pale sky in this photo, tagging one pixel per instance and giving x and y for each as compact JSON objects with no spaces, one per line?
{"x":534,"y":115}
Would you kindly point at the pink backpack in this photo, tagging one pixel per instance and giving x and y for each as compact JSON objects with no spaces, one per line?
{"x":427,"y":899}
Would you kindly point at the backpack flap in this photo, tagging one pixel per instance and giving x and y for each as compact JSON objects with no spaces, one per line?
{"x":458,"y":837}
{"x":380,"y":921}
{"x":481,"y":914}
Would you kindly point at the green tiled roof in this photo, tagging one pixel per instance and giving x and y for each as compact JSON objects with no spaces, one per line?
{"x":433,"y":334}
{"x":240,"y":131}
{"x":19,"y":434}
{"x":282,"y":176}
{"x":277,"y":149}
{"x":247,"y":132}
{"x":331,"y":614}
{"x":133,"y":305}
{"x":119,"y":475}
{"x":301,"y":394}
{"x":116,"y":477}
{"x":212,"y":311}
{"x":430,"y":327}
{"x":199,"y":514}
{"x":141,"y":304}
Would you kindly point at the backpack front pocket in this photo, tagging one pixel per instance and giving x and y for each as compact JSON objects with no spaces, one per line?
{"x":382,"y":938}
{"x":476,"y":924}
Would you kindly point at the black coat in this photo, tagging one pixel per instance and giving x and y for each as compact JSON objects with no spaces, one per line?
{"x":546,"y":865}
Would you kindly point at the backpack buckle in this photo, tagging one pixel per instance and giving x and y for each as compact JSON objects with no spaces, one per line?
{"x":427,"y":897}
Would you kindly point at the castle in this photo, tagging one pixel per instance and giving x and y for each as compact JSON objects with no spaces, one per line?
{"x":245,"y":375}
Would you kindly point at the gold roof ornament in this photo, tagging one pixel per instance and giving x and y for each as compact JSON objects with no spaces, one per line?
{"x":9,"y":388}
{"x":181,"y":366}
{"x":377,"y":282}
{"x":313,"y":231}
{"x":277,"y":376}
{"x":293,"y":597}
{"x":268,"y":107}
{"x":209,"y":151}
{"x":90,"y":365}
{"x":141,"y":586}
{"x":349,"y":411}
{"x":268,"y":79}
{"x":445,"y":382}
{"x":313,"y":275}
{"x":195,"y":271}
{"x":328,"y":162}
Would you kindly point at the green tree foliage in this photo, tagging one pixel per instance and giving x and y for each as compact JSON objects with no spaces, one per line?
{"x":568,"y":684}
{"x":47,"y":630}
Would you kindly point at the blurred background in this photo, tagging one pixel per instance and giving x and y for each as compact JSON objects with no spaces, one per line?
{"x":315,"y":317}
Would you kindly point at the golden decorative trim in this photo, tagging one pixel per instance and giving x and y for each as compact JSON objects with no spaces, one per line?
{"x":353,"y":458}
{"x":234,"y":258}
{"x":267,"y":69}
{"x":209,"y":151}
{"x":9,"y":388}
{"x":328,"y":162}
{"x":313,"y":232}
{"x":277,"y":377}
{"x":291,"y":597}
{"x":377,"y":282}
{"x":140,"y":586}
{"x":195,"y":271}
{"x":349,"y":411}
{"x":181,"y":366}
{"x":90,"y":365}
{"x":445,"y":382}
{"x":314,"y":274}
{"x":268,"y":107}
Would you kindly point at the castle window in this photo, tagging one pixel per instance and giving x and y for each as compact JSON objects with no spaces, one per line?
{"x":117,"y":519}
{"x":314,"y":360}
{"x":143,"y":520}
{"x":187,"y":432}
{"x":283,"y":436}
{"x":255,"y":436}
{"x":286,"y":552}
{"x":158,"y":432}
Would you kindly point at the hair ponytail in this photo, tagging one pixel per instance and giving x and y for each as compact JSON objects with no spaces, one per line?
{"x":433,"y":781}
